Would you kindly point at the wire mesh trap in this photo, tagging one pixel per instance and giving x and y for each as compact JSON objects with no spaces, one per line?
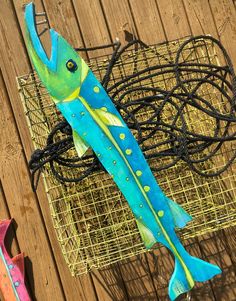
{"x":191,"y":152}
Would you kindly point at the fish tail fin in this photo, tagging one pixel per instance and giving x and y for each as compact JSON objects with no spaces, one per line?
{"x":179,"y":282}
{"x":202,"y":270}
{"x":197,"y":270}
{"x":4,"y":225}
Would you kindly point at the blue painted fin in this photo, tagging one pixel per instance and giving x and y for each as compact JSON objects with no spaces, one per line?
{"x":80,"y":145}
{"x":180,"y":216}
{"x":199,"y":271}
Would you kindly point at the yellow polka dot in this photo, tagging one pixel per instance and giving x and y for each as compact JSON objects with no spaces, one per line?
{"x":128,"y":151}
{"x":114,"y":162}
{"x":127,"y":179}
{"x":122,"y":136}
{"x":109,"y":147}
{"x":99,"y":155}
{"x":141,"y":205}
{"x":96,"y":89}
{"x":146,"y":188}
{"x":160,"y":213}
{"x":104,"y":109}
{"x":139,"y":173}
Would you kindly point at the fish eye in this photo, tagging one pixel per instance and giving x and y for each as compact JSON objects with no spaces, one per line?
{"x":71,"y":65}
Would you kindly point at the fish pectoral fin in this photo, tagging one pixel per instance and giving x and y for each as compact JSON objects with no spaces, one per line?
{"x":18,"y":260}
{"x":80,"y":145}
{"x":180,"y":216}
{"x":146,"y":235}
{"x":108,"y":118}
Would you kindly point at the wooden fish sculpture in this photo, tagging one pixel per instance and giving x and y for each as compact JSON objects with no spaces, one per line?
{"x":96,"y":123}
{"x":12,"y":283}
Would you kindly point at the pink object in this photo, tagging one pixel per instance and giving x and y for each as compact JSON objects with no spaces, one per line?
{"x":12,"y":274}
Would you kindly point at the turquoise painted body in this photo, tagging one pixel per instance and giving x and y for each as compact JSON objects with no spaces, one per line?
{"x":97,"y":123}
{"x":80,"y":120}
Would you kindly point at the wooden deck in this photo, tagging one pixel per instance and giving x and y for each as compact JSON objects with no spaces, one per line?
{"x":89,"y":23}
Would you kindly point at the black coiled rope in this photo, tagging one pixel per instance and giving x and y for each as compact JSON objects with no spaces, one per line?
{"x":180,"y":141}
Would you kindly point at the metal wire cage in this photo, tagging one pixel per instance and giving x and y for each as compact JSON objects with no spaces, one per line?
{"x":94,"y":224}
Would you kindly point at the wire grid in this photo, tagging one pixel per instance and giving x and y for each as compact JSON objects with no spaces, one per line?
{"x":94,"y":225}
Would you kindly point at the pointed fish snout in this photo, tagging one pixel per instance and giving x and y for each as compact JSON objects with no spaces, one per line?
{"x":34,"y":40}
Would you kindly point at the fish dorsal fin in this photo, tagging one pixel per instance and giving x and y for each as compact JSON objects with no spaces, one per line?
{"x":146,"y":234}
{"x":108,"y":118}
{"x":80,"y":145}
{"x":180,"y":216}
{"x":18,"y":261}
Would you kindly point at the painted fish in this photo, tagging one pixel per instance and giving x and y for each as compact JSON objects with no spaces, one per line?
{"x":97,"y":124}
{"x":12,"y":283}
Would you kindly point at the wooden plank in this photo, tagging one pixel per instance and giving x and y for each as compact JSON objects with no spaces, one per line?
{"x":109,"y":284}
{"x":23,"y":206}
{"x":62,"y":18}
{"x":224,"y":15}
{"x":215,"y":250}
{"x":148,"y":22}
{"x":14,"y":61}
{"x":138,"y":279}
{"x":93,"y":29}
{"x":174,"y":19}
{"x":230,"y":239}
{"x":206,"y":23}
{"x":200,"y":17}
{"x":73,"y":287}
{"x":119,"y":19}
{"x":201,"y":21}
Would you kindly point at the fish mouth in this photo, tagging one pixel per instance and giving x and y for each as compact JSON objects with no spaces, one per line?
{"x":34,"y":40}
